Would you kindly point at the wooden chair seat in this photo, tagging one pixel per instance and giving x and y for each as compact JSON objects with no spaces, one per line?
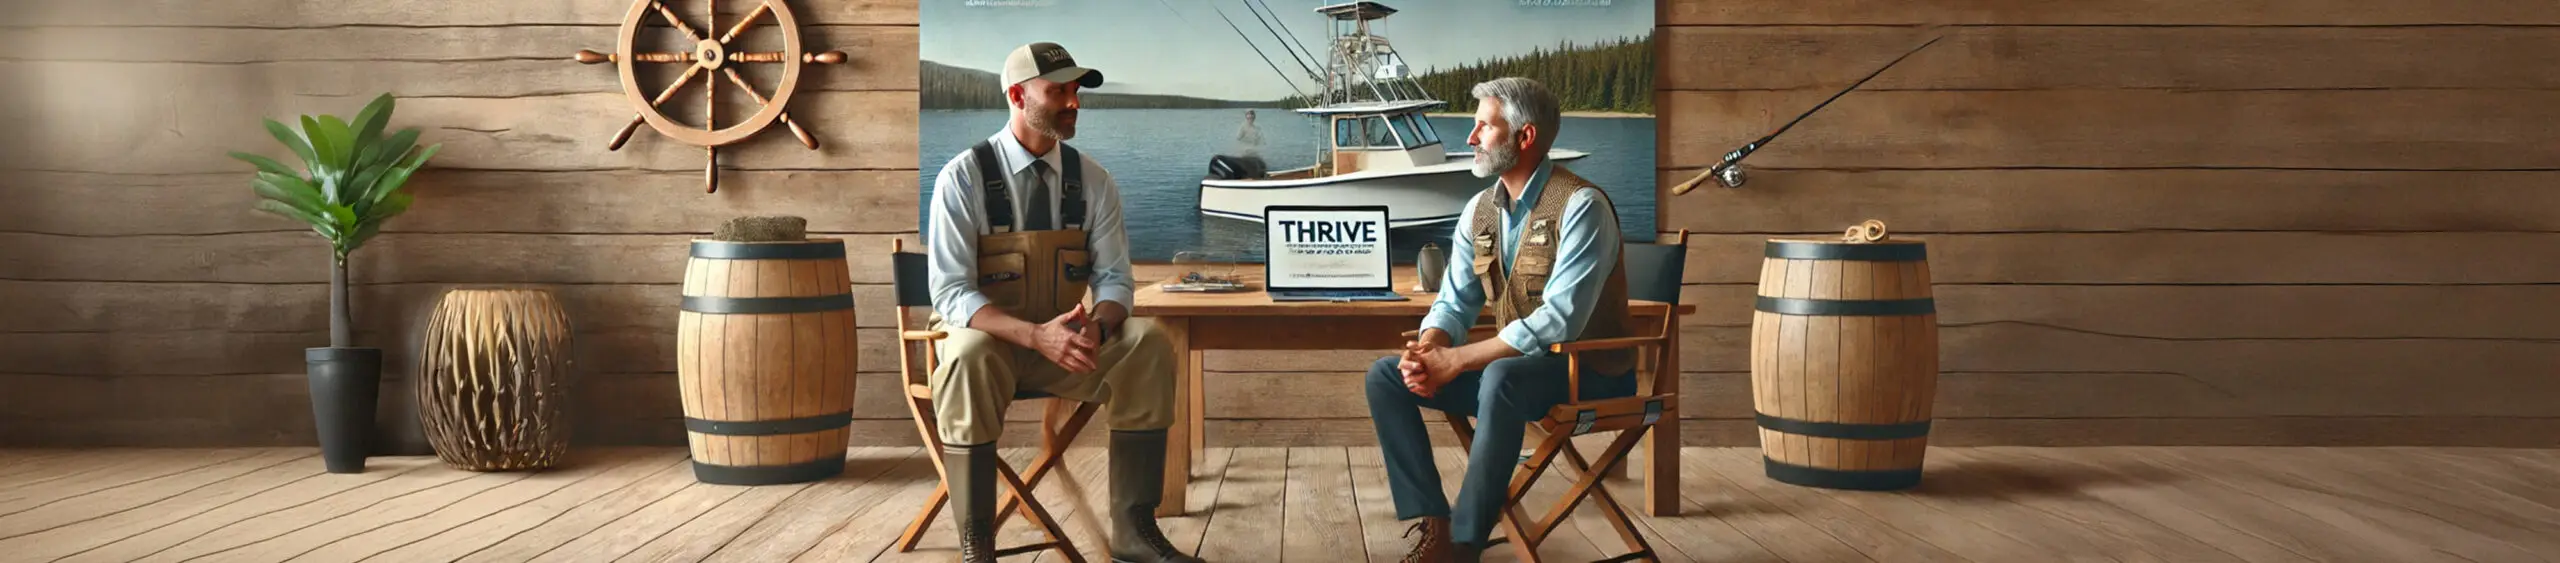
{"x":1654,"y":274}
{"x":1060,"y":422}
{"x":1576,"y":419}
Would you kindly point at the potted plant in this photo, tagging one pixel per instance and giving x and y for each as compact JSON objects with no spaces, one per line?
{"x":349,"y":184}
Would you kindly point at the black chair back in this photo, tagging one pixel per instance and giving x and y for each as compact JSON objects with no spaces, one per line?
{"x":913,"y":290}
{"x":1654,"y":269}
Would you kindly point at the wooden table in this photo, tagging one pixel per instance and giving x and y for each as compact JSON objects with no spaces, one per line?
{"x":1250,"y":320}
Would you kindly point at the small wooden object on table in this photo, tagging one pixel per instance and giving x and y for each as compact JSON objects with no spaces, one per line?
{"x":1199,"y":322}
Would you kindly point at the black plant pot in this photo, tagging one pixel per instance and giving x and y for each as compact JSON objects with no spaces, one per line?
{"x":345,"y":383}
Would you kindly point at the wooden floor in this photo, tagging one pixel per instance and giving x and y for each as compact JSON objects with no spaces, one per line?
{"x":1292,"y":504}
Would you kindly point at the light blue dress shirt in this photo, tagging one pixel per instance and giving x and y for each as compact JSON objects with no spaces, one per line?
{"x":1588,"y":240}
{"x":958,"y":218}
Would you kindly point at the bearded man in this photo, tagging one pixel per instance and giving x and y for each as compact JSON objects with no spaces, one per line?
{"x":1540,"y":249}
{"x":1021,"y":227}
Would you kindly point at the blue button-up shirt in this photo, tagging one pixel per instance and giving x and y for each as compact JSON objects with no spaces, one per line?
{"x":1589,"y":239}
{"x":958,"y":218}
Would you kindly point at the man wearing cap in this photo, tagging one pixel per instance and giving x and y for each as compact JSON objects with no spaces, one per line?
{"x":1021,"y":227}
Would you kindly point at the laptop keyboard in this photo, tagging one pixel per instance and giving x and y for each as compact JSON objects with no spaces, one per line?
{"x":1333,"y":293}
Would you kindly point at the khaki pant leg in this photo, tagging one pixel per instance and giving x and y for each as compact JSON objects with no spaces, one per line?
{"x":972,"y":387}
{"x":1135,"y":381}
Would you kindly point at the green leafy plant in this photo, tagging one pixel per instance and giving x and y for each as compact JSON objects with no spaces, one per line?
{"x":350,"y":183}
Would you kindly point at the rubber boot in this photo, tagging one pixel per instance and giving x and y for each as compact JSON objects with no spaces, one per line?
{"x":973,"y":499}
{"x":1137,"y":486}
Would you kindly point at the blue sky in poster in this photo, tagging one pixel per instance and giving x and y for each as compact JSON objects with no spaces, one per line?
{"x":1183,"y":47}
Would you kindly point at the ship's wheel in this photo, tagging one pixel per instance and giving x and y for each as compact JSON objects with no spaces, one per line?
{"x":716,"y":60}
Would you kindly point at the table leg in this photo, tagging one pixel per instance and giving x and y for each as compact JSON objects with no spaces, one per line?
{"x":1195,"y":374}
{"x":1177,"y":459}
{"x":1662,"y":445}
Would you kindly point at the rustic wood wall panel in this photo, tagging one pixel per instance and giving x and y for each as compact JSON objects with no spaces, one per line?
{"x":2195,"y":222}
{"x":2156,"y":222}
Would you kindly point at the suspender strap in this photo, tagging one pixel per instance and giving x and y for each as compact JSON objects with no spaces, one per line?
{"x":991,"y":176}
{"x":1071,"y":209}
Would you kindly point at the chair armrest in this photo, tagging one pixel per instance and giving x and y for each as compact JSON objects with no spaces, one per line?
{"x":1605,"y":344}
{"x":923,"y":335}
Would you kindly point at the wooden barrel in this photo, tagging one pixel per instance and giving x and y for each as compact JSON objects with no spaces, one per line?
{"x":493,"y":375}
{"x":765,"y":356}
{"x":1844,"y":362}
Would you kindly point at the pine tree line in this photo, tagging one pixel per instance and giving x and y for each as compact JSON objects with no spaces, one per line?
{"x":1614,"y":75}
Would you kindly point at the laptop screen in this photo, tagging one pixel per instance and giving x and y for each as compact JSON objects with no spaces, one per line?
{"x":1327,"y":247}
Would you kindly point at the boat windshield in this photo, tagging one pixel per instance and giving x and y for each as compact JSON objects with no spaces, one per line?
{"x":1416,"y":131}
{"x":1370,"y":132}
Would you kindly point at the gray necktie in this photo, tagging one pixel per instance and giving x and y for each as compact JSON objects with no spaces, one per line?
{"x":1038,"y":206}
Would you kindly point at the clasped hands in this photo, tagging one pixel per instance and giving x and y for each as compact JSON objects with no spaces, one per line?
{"x":1073,"y":339}
{"x":1428,"y":364}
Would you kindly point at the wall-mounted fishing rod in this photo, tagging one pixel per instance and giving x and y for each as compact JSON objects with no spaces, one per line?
{"x":1728,"y":171}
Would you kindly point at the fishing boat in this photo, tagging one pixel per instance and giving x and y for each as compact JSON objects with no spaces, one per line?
{"x":1382,"y":150}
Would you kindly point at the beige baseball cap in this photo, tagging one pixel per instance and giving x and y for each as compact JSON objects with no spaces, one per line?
{"x":1047,"y":60}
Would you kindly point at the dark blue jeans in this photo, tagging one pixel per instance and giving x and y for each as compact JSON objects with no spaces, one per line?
{"x":1504,"y":398}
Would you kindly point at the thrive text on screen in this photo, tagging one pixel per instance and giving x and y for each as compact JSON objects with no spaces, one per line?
{"x":1329,"y":231}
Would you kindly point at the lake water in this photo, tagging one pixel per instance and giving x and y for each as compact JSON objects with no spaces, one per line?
{"x":1159,"y":157}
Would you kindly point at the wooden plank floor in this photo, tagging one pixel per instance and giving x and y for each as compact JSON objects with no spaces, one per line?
{"x":2129,"y":504}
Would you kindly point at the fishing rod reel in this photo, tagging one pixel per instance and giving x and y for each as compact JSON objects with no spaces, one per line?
{"x":1728,"y":172}
{"x":1730,"y":176}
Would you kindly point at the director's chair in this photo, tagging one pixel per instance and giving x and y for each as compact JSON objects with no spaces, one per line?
{"x":1653,"y":274}
{"x":1060,"y":421}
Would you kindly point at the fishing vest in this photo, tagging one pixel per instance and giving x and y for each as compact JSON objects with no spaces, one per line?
{"x":1032,"y":275}
{"x":1514,"y":292}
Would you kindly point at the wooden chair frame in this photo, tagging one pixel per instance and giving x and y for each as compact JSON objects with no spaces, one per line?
{"x":1629,"y":416}
{"x":1060,"y":422}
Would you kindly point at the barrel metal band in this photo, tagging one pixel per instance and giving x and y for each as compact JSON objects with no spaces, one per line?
{"x":768,"y":250}
{"x":1846,"y":307}
{"x":1856,"y":480}
{"x":803,"y":472}
{"x":1844,"y":430}
{"x":1852,"y":252}
{"x":802,"y":425}
{"x":767,"y":305}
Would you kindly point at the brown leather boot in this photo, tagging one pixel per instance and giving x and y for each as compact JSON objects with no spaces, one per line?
{"x":1435,"y":545}
{"x":1137,"y":486}
{"x":973,"y":499}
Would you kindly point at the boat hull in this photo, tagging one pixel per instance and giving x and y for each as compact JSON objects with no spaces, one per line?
{"x":1431,"y":195}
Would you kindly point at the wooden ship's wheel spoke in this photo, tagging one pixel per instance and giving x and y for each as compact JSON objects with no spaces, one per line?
{"x":744,"y":23}
{"x":670,"y":15}
{"x":829,"y":57}
{"x":712,"y":58}
{"x":592,"y":57}
{"x":805,"y":139}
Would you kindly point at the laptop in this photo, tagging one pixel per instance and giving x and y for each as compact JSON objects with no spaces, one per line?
{"x":1327,"y":253}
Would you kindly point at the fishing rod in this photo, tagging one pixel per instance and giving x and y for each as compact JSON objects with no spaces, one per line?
{"x":1728,"y":171}
{"x":1284,"y":40}
{"x":1257,"y":50}
{"x":1293,"y":34}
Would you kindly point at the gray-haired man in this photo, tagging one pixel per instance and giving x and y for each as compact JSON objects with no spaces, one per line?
{"x":1540,"y":249}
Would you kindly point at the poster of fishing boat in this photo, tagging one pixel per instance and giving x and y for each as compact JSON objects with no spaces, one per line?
{"x":1216,"y":109}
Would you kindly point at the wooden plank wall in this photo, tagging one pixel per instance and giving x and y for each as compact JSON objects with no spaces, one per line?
{"x":2178,"y":222}
{"x":2284,"y":222}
